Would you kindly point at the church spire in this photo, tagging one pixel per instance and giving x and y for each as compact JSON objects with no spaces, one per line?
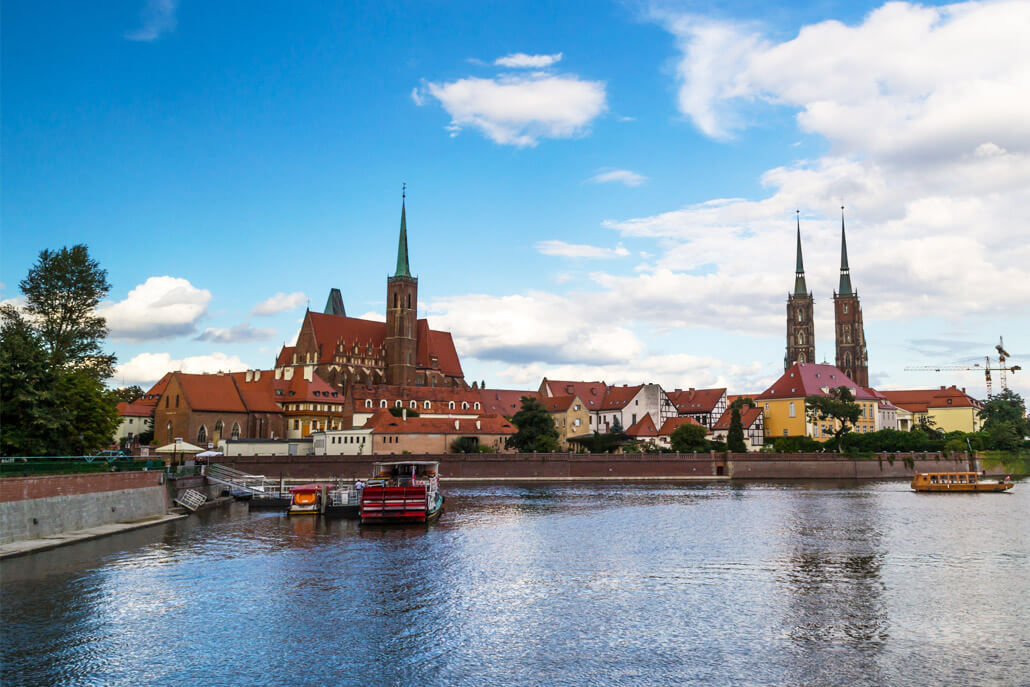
{"x":845,"y":272}
{"x":800,"y":288}
{"x":402,"y":243}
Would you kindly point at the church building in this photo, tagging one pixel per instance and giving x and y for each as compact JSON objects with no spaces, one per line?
{"x":403,"y":351}
{"x":800,"y":316}
{"x":847,"y":317}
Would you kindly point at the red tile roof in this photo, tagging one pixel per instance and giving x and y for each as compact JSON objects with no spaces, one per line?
{"x":259,"y":395}
{"x":153,"y":395}
{"x":505,"y":402}
{"x":809,"y":379}
{"x":748,"y":416}
{"x":673,"y":423}
{"x":135,"y":409}
{"x":385,"y":423}
{"x":439,"y":397}
{"x":644,"y":427}
{"x":285,"y":356}
{"x":591,"y":393}
{"x":619,"y":396}
{"x":331,"y":330}
{"x":919,"y":400}
{"x":558,"y":404}
{"x":211,"y":392}
{"x":696,"y":400}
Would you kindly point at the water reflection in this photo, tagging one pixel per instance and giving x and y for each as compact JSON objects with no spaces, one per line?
{"x":543,"y":584}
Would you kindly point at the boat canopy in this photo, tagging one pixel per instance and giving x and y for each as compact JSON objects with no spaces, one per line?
{"x":314,"y":486}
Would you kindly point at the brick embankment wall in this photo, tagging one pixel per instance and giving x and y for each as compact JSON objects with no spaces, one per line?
{"x":617,"y":466}
{"x":36,"y":507}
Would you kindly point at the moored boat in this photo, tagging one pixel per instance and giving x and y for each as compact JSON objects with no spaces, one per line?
{"x":404,"y":491}
{"x":947,"y":482}
{"x":306,"y":499}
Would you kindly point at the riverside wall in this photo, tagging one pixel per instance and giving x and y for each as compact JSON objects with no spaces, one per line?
{"x":564,"y":466}
{"x":43,"y":506}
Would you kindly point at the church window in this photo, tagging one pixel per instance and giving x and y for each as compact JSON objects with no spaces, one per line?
{"x":413,"y":405}
{"x":409,"y":300}
{"x":236,"y":430}
{"x":801,"y":316}
{"x":202,"y":435}
{"x":218,"y":428}
{"x":845,"y":308}
{"x":169,"y":430}
{"x":801,"y":358}
{"x":397,"y":404}
{"x":396,"y":298}
{"x":382,"y":404}
{"x":450,"y":405}
{"x":368,"y":402}
{"x":801,"y":338}
{"x":426,"y":405}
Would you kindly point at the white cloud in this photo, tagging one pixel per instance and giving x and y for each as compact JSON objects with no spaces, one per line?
{"x":520,"y":110}
{"x":619,"y":176}
{"x":521,"y":60}
{"x":578,"y":250}
{"x":375,"y":316}
{"x":157,"y":17}
{"x":159,"y":308}
{"x":278,"y":303}
{"x":240,"y":333}
{"x":146,"y":368}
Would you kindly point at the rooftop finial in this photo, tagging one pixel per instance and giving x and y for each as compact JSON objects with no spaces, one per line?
{"x":404,"y":190}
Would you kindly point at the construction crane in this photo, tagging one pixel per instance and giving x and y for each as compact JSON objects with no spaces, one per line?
{"x":986,"y":367}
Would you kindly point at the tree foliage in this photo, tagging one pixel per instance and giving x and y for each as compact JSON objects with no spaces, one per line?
{"x":536,"y":431}
{"x":735,"y":435}
{"x":128,"y":394}
{"x":52,"y":366}
{"x":689,"y":438}
{"x":1004,"y":421}
{"x":838,"y":407}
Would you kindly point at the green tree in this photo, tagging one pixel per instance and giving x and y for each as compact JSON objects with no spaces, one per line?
{"x":536,"y":431}
{"x":689,"y":438}
{"x":1006,"y":408}
{"x":1003,"y":436}
{"x":399,"y":412}
{"x":62,"y":291}
{"x":25,"y":382}
{"x":838,"y":406}
{"x":735,"y":435}
{"x":128,"y":394}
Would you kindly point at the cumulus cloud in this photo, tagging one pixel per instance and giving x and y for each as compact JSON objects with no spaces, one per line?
{"x":159,"y":308}
{"x":278,"y":303}
{"x":519,"y":110}
{"x":240,"y":333}
{"x":157,"y":18}
{"x":521,"y":60}
{"x":375,"y":316}
{"x":146,"y":368}
{"x":617,"y":176}
{"x":578,"y":250}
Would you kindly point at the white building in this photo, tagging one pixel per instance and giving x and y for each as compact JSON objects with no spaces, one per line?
{"x":626,"y":405}
{"x":342,"y":442}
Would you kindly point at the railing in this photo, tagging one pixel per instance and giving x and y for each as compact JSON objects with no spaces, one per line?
{"x":18,"y":466}
{"x":344,"y":496}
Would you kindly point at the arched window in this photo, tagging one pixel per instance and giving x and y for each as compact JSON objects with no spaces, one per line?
{"x":426,"y":405}
{"x":395,"y":299}
{"x":413,"y":405}
{"x":801,"y":358}
{"x":801,"y":338}
{"x":450,"y":405}
{"x":236,"y":430}
{"x":464,"y":405}
{"x":397,"y":404}
{"x":409,"y":300}
{"x":845,"y":308}
{"x":169,"y":431}
{"x":476,"y":405}
{"x":368,"y":402}
{"x":382,"y":403}
{"x":847,"y":335}
{"x":219,"y":428}
{"x":847,"y":360}
{"x":202,"y":435}
{"x":801,"y":315}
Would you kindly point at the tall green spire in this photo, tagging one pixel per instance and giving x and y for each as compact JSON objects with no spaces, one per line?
{"x":845,"y":272}
{"x":402,"y":243}
{"x":800,"y":288}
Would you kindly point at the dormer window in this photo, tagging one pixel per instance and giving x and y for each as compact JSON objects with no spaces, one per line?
{"x":397,"y":404}
{"x":464,"y":405}
{"x":368,"y":402}
{"x":426,"y":405}
{"x":450,"y":405}
{"x":475,"y":405}
{"x":382,"y":403}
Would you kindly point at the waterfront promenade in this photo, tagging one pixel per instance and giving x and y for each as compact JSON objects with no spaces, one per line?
{"x":757,"y":583}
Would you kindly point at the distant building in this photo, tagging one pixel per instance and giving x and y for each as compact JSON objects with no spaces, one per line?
{"x":344,"y":442}
{"x":800,"y":316}
{"x":852,"y":359}
{"x":886,"y":412}
{"x":134,"y":419}
{"x":784,"y":406}
{"x":571,"y":418}
{"x":704,"y":405}
{"x":752,"y":422}
{"x":397,"y":435}
{"x":626,"y":405}
{"x":950,"y":409}
{"x":664,"y":436}
{"x":505,"y":402}
{"x":449,"y":402}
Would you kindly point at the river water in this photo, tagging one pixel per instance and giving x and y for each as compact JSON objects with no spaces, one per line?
{"x":584,"y":584}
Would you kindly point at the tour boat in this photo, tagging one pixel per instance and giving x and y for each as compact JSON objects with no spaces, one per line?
{"x":405,"y":491}
{"x":343,"y":502}
{"x":305,"y":499}
{"x":956,"y":482}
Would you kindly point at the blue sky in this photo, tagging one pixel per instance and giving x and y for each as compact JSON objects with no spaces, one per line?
{"x":600,"y":190}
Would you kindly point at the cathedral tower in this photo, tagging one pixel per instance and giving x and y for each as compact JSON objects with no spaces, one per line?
{"x":800,"y":309}
{"x":847,"y":317}
{"x":401,"y":315}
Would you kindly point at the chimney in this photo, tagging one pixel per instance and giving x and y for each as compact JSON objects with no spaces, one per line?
{"x":309,"y":371}
{"x":457,"y":424}
{"x":690,"y":389}
{"x":278,"y":373}
{"x":249,"y":376}
{"x":479,"y":425}
{"x":288,"y":374}
{"x":257,"y":375}
{"x":943,"y":387}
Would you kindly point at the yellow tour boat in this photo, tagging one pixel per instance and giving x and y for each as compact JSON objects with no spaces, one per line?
{"x":956,"y":482}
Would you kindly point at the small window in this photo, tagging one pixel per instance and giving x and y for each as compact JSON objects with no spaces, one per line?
{"x":202,"y":435}
{"x":464,"y":405}
{"x":793,"y":411}
{"x":397,"y":404}
{"x":426,"y":405}
{"x":413,"y":405}
{"x":368,"y":402}
{"x":236,"y":430}
{"x":450,"y":405}
{"x":382,"y":404}
{"x":475,"y":406}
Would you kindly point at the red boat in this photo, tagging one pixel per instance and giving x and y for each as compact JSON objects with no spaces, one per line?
{"x":407,"y":491}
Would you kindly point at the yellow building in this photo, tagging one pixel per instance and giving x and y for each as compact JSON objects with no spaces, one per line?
{"x":570,"y":415}
{"x":783,"y":403}
{"x":949,"y":409}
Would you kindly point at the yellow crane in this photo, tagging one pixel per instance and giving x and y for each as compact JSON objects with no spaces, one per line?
{"x":1003,"y":356}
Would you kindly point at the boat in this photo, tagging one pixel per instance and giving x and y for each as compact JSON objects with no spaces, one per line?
{"x":343,"y":502}
{"x":404,"y":491}
{"x":305,"y":499}
{"x":957,"y":482}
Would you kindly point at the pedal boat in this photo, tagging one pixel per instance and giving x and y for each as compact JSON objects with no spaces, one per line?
{"x":402,"y":492}
{"x":305,"y":499}
{"x":957,"y":482}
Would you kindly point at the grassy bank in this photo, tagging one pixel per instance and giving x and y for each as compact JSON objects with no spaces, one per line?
{"x":1012,"y":462}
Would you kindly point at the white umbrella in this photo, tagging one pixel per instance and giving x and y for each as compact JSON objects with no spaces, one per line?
{"x":209,"y":454}
{"x":179,"y":447}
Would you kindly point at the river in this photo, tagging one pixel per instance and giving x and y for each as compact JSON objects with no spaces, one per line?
{"x":568,"y":584}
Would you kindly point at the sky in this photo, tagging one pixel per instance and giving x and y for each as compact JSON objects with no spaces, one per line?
{"x":595,"y":190}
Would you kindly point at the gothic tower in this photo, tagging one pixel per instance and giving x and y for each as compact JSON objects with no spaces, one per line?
{"x":800,"y":309}
{"x":847,"y":317}
{"x":401,"y":316}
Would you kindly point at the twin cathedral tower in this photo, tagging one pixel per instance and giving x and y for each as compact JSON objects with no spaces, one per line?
{"x":847,"y":318}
